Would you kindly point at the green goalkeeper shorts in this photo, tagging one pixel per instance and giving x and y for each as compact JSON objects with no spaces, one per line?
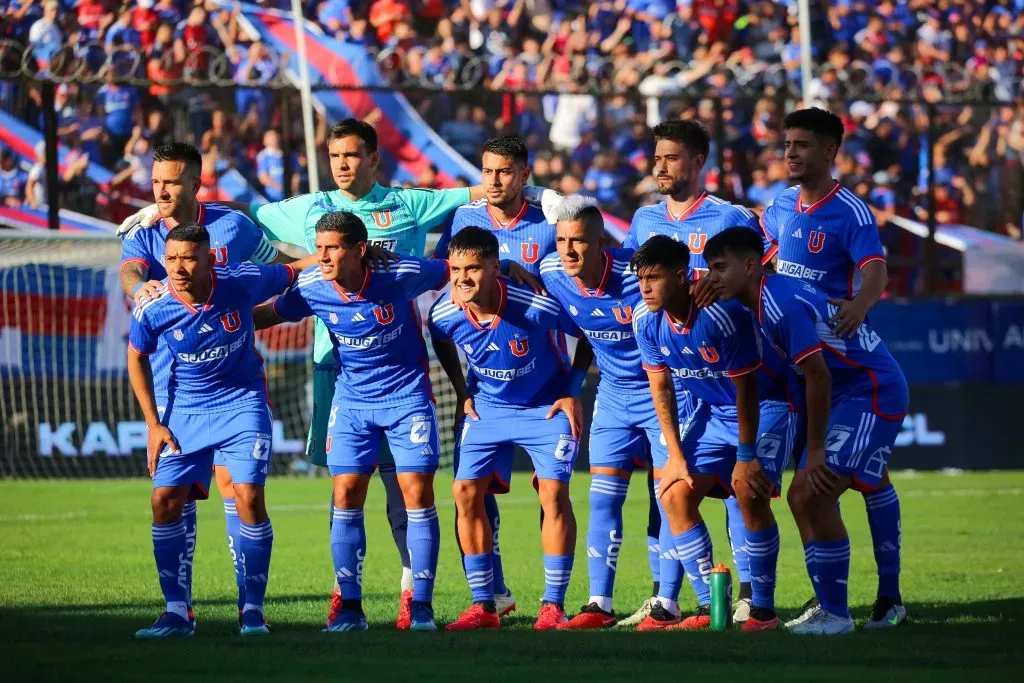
{"x":324,"y":378}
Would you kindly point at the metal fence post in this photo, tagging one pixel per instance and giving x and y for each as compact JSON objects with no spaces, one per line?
{"x":50,"y":136}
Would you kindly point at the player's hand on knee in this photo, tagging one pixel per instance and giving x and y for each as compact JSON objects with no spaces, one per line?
{"x":820,"y":476}
{"x":148,"y":290}
{"x":748,"y":479}
{"x":146,"y":218}
{"x":674,"y":472}
{"x":573,"y":409}
{"x":380,"y":258}
{"x":160,"y":437}
{"x":703,"y":293}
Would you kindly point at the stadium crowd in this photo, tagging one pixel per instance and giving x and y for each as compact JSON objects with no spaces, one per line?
{"x":731,"y":64}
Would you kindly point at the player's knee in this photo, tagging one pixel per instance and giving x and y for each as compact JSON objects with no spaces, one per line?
{"x":167,"y":504}
{"x":798,"y":497}
{"x":417,"y":490}
{"x":468,"y":495}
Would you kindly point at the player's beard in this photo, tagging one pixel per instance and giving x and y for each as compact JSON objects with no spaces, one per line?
{"x":677,"y":186}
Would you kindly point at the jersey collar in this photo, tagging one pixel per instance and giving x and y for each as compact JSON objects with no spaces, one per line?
{"x":818,"y":204}
{"x":760,"y":299}
{"x":689,"y":212}
{"x":209,"y":299}
{"x":358,"y":296}
{"x":685,"y":326}
{"x":604,"y":277}
{"x":475,"y":322}
{"x":200,"y":217}
{"x":512,"y":223}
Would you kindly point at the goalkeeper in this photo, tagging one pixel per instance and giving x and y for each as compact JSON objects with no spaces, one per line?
{"x":397,"y":220}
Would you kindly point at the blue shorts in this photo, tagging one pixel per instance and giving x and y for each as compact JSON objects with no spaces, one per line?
{"x":621,"y":427}
{"x":240,"y":440}
{"x":779,"y":429}
{"x":354,"y":438}
{"x":858,"y":443}
{"x":485,"y":446}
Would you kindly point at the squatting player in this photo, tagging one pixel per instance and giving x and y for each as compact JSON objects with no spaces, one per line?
{"x":518,"y":394}
{"x":219,"y":410}
{"x":856,"y":398}
{"x":824,"y":234}
{"x":383,"y":391}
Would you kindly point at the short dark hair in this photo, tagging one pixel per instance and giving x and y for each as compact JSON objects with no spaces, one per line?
{"x":474,"y":239}
{"x":180,"y":151}
{"x":189,"y":232}
{"x":508,"y":146}
{"x":351,"y":227}
{"x":660,"y":250}
{"x":739,"y":241}
{"x":690,"y":133}
{"x":360,"y":129}
{"x":823,"y":123}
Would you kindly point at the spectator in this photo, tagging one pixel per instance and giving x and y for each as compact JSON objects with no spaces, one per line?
{"x":12,"y":180}
{"x":120,"y":104}
{"x":270,"y":166}
{"x":467,"y":133}
{"x":45,"y":36}
{"x":384,"y":15}
{"x":35,"y":185}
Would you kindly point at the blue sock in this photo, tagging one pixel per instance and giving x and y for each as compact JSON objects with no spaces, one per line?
{"x":812,"y":567}
{"x":188,"y":515}
{"x":604,"y":535}
{"x":348,"y":548}
{"x":694,"y":550}
{"x":257,"y":544}
{"x":235,"y":547}
{"x":480,"y":576}
{"x":491,"y":507}
{"x":671,"y":569}
{"x":557,"y":570}
{"x":833,"y":561}
{"x":763,"y":550}
{"x":884,"y":519}
{"x":169,"y":551}
{"x":424,"y":539}
{"x":737,"y":538}
{"x":653,"y":532}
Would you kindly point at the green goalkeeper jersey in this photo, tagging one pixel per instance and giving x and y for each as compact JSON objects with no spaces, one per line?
{"x":396,"y":219}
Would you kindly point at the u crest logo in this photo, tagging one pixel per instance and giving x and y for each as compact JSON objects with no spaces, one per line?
{"x":384,"y":314}
{"x":530,"y":251}
{"x":708,"y":353}
{"x":220,"y":256}
{"x":382,"y":219}
{"x":519,"y":346}
{"x":697,"y":241}
{"x":816,"y":241}
{"x":231,"y":321}
{"x":624,"y":314}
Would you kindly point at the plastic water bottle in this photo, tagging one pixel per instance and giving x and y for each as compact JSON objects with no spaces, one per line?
{"x":721,"y":598}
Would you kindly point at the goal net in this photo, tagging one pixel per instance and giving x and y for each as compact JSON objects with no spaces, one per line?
{"x":66,"y":407}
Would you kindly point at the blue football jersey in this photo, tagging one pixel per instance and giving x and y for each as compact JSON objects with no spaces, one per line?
{"x":517,"y":358}
{"x":214,"y":364}
{"x":604,"y":315}
{"x":795,"y":315}
{"x":826,"y":243}
{"x":711,"y":346}
{"x":377,"y":331}
{"x":526,"y":239}
{"x":707,"y":217}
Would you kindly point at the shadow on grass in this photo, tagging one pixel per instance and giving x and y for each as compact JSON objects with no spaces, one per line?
{"x":94,"y":642}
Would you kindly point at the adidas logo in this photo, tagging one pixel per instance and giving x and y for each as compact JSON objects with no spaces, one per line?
{"x":687,"y":351}
{"x":597,"y":312}
{"x":205,"y":328}
{"x":592,"y":552}
{"x":467,"y":348}
{"x":425,"y":575}
{"x":504,"y":249}
{"x":344,"y":573}
{"x":798,"y":234}
{"x":358,"y":318}
{"x":493,"y":347}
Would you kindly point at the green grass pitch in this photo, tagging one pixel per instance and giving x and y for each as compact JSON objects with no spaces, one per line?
{"x":77,"y":579}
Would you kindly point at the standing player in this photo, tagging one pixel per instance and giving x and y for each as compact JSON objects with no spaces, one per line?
{"x":218,"y":410}
{"x":856,"y":399}
{"x":383,"y":391}
{"x":823,"y":234}
{"x":234,"y":239}
{"x":518,"y":394}
{"x":597,"y":288}
{"x":742,"y":432}
{"x":691,"y":215}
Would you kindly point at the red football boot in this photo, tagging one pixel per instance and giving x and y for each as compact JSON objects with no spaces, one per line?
{"x":476,"y":617}
{"x":590,"y":617}
{"x":550,"y":617}
{"x":335,"y":608}
{"x":404,"y":610}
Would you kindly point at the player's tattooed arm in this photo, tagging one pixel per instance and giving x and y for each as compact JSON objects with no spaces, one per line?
{"x":818,"y":389}
{"x":140,"y":374}
{"x":135,"y":285}
{"x":664,"y":396}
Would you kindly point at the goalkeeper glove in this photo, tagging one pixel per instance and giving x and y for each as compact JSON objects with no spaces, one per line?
{"x":146,"y":218}
{"x":548,"y":200}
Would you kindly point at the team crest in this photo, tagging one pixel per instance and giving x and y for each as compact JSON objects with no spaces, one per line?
{"x":624,"y":314}
{"x":664,"y":350}
{"x":574,"y":310}
{"x":530,"y":251}
{"x":520,"y":347}
{"x":334,"y":317}
{"x":382,"y":219}
{"x":816,"y":241}
{"x":179,"y":335}
{"x":697,"y":241}
{"x":709,"y":354}
{"x":231,"y":322}
{"x":220,"y":256}
{"x":384,"y":314}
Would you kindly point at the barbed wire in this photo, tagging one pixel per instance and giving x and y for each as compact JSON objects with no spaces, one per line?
{"x":210,"y":67}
